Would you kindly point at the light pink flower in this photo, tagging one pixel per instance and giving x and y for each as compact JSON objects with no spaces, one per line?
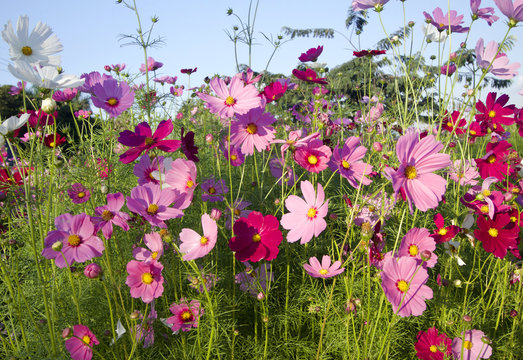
{"x":154,"y":249}
{"x":347,"y":161}
{"x":196,"y":246}
{"x":325,"y":269}
{"x":472,"y":345}
{"x":110,"y":215}
{"x":253,"y":130}
{"x":181,"y":176}
{"x":500,"y":66}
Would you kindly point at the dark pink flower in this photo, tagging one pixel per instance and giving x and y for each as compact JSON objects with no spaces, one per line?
{"x":188,"y":147}
{"x":432,"y":345}
{"x":186,"y":315}
{"x":80,"y":345}
{"x":495,"y":112}
{"x":188,"y":71}
{"x":497,"y":235}
{"x":453,"y":124}
{"x":151,"y":65}
{"x":448,"y":70}
{"x":443,"y":233}
{"x":313,"y":156}
{"x":494,"y":162}
{"x":145,"y":280}
{"x":347,"y":161}
{"x":145,"y":168}
{"x":93,"y":271}
{"x":309,"y":75}
{"x":65,"y":95}
{"x":274,"y":91}
{"x":311,"y":55}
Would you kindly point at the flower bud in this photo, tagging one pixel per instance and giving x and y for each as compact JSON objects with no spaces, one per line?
{"x":135,"y":315}
{"x":104,"y":189}
{"x":57,"y":246}
{"x":333,"y":216}
{"x":377,"y":146}
{"x":411,"y":23}
{"x":216,"y":214}
{"x":209,"y":138}
{"x":467,"y":318}
{"x":67,"y":333}
{"x":426,"y":255}
{"x":93,"y":271}
{"x":48,"y":105}
{"x":107,"y":68}
{"x":260,"y":296}
{"x":457,"y":283}
{"x":513,"y":313}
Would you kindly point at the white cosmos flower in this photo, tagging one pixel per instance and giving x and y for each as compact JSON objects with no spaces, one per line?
{"x":433,"y":34}
{"x":10,"y":125}
{"x":35,"y":48}
{"x":46,"y":77}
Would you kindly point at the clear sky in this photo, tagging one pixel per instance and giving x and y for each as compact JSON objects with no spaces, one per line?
{"x":194,"y":33}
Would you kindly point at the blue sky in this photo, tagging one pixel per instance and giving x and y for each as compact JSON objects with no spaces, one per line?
{"x":194,"y":33}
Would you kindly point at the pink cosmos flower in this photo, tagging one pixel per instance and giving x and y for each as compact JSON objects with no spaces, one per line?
{"x":154,"y":250}
{"x":415,"y":242}
{"x":91,"y":80}
{"x":274,"y":91}
{"x":347,"y":161}
{"x":145,"y":329}
{"x":313,"y":156}
{"x":513,"y":9}
{"x":152,"y":202}
{"x":360,"y":5}
{"x":253,"y":130}
{"x":166,"y":79}
{"x":151,"y":65}
{"x":448,"y":70}
{"x":145,"y":168}
{"x":403,"y":282}
{"x":254,"y":281}
{"x":471,"y":345}
{"x":80,"y":345}
{"x":309,"y":75}
{"x":236,"y":211}
{"x":450,"y":20}
{"x":498,"y":64}
{"x":186,"y":315}
{"x":248,"y":77}
{"x":181,"y":176}
{"x":188,"y":71}
{"x":494,"y":162}
{"x":237,"y":99}
{"x":306,"y":216}
{"x":232,"y":154}
{"x":112,"y":96}
{"x":418,"y":159}
{"x":213,"y":190}
{"x":324,"y":270}
{"x":464,"y":173}
{"x":143,"y":140}
{"x":110,"y":215}
{"x":78,"y":193}
{"x":176,"y":90}
{"x":486,"y":14}
{"x":65,"y":95}
{"x":78,"y":238}
{"x":145,"y":280}
{"x":432,"y":345}
{"x":296,"y":139}
{"x":196,"y":246}
{"x":311,"y":55}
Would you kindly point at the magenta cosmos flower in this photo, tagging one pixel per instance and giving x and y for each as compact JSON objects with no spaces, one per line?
{"x":513,"y":9}
{"x":359,"y":5}
{"x":347,"y":161}
{"x":257,"y":237}
{"x":309,"y":75}
{"x":418,"y":242}
{"x":324,"y":270}
{"x":313,"y":156}
{"x":495,"y":112}
{"x":80,"y":344}
{"x":152,"y":202}
{"x":418,"y":159}
{"x":186,"y":315}
{"x":472,"y":345}
{"x":253,"y":130}
{"x":143,"y":140}
{"x":403,"y":282}
{"x":497,"y":235}
{"x":110,"y":215}
{"x":196,"y":246}
{"x":91,"y":80}
{"x":79,"y":243}
{"x":151,"y":65}
{"x":311,"y":55}
{"x":78,"y":193}
{"x":443,"y":233}
{"x":433,"y":346}
{"x":274,"y":91}
{"x":145,"y":168}
{"x":154,"y":249}
{"x":450,"y":20}
{"x":237,"y":99}
{"x":306,"y":217}
{"x":486,"y":14}
{"x":145,"y":280}
{"x":494,"y":162}
{"x":112,"y":96}
{"x":496,"y":63}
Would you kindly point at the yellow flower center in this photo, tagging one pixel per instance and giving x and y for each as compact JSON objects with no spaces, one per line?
{"x":513,"y":219}
{"x":147,"y":278}
{"x":410,"y":172}
{"x":491,"y":114}
{"x":486,"y":192}
{"x":52,"y":144}
{"x":324,"y":271}
{"x":186,"y":315}
{"x":204,"y":240}
{"x":212,"y":190}
{"x":229,"y":101}
{"x":433,"y":348}
{"x":107,"y":215}
{"x":154,"y":255}
{"x":491,"y":159}
{"x":190,"y":184}
{"x":311,"y":213}
{"x":86,"y":339}
{"x":252,"y":128}
{"x":152,"y":209}
{"x":81,"y":194}
{"x":149,"y":141}
{"x":441,"y":25}
{"x":234,"y":157}
{"x":256,"y":238}
{"x":151,"y":176}
{"x":73,"y":240}
{"x":449,"y":124}
{"x":493,"y":232}
{"x":237,"y":212}
{"x":413,"y":250}
{"x":372,"y":208}
{"x":467,"y":345}
{"x":313,"y":160}
{"x":484,"y":209}
{"x":309,"y":78}
{"x":27,"y":51}
{"x":473,"y":132}
{"x":345,"y":164}
{"x":442,"y":231}
{"x":402,"y":286}
{"x":112,"y":102}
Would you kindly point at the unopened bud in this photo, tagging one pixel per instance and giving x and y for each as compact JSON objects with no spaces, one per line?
{"x":467,"y":318}
{"x":48,"y":105}
{"x":377,"y":146}
{"x":209,"y":138}
{"x":513,"y":313}
{"x":67,"y":333}
{"x":57,"y":246}
{"x":457,"y":283}
{"x":135,"y":315}
{"x":426,"y":255}
{"x":260,"y":296}
{"x":216,"y":214}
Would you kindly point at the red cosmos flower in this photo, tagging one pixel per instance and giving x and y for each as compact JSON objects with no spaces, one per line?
{"x":370,"y":53}
{"x":433,"y":346}
{"x":188,"y":71}
{"x":444,"y":234}
{"x":493,"y":163}
{"x":497,"y":235}
{"x":494,"y":113}
{"x":40,"y":118}
{"x":8,"y":179}
{"x":257,"y":237}
{"x":142,"y":139}
{"x":453,"y":122}
{"x":274,"y":91}
{"x":311,"y":55}
{"x":53,"y":140}
{"x":309,"y":75}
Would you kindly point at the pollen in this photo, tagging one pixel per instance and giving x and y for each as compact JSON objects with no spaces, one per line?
{"x":413,"y":250}
{"x":237,"y":212}
{"x":154,"y":255}
{"x":486,"y":192}
{"x":467,"y":345}
{"x":256,"y":238}
{"x":493,"y":232}
{"x":312,"y":159}
{"x":410,"y":172}
{"x":230,"y":101}
{"x":449,"y":124}
{"x":149,"y":141}
{"x":190,"y":184}
{"x":86,"y":339}
{"x":345,"y":164}
{"x":74,"y":240}
{"x":473,"y":132}
{"x":204,"y":240}
{"x":252,"y":128}
{"x":52,"y":144}
{"x":433,"y":348}
{"x":324,"y":271}
{"x":491,"y":159}
{"x":442,"y":231}
{"x":152,"y":209}
{"x":484,"y":209}
{"x":112,"y":102}
{"x":27,"y":51}
{"x":107,"y":215}
{"x":147,"y":278}
{"x":402,"y":285}
{"x":211,"y":190}
{"x":81,"y":194}
{"x":186,"y":315}
{"x":311,"y":214}
{"x":234,"y":157}
{"x":491,"y":114}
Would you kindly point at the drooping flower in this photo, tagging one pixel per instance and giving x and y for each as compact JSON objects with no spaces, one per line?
{"x":324,"y":270}
{"x":347,"y":161}
{"x":494,"y":162}
{"x":311,"y":55}
{"x":37,"y":48}
{"x":313,"y":156}
{"x":66,"y":95}
{"x":448,"y":70}
{"x":151,"y":65}
{"x":80,"y":344}
{"x":450,"y":21}
{"x":497,"y":235}
{"x":432,"y":34}
{"x":78,"y":193}
{"x":309,"y":75}
{"x":145,"y":280}
{"x":154,"y":250}
{"x":188,"y":71}
{"x":360,"y":5}
{"x":369,"y":53}
{"x":166,"y":79}
{"x":472,"y":344}
{"x":186,"y":315}
{"x":403,"y":282}
{"x":213,"y":190}
{"x":194,"y":245}
{"x":46,"y":77}
{"x":257,"y":237}
{"x":415,"y":244}
{"x":78,"y":239}
{"x":513,"y":9}
{"x":432,"y":345}
{"x":253,"y":130}
{"x":500,"y":66}
{"x":143,"y":140}
{"x":306,"y":216}
{"x":112,"y":96}
{"x":237,"y":99}
{"x":486,"y":14}
{"x":418,"y":159}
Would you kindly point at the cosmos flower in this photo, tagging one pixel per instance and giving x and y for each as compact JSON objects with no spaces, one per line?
{"x":80,"y":344}
{"x":432,"y":34}
{"x":472,"y":345}
{"x":324,"y":270}
{"x":249,"y":77}
{"x":151,"y":65}
{"x":186,"y":315}
{"x":10,"y":125}
{"x":359,"y":5}
{"x":415,"y":244}
{"x":274,"y":91}
{"x":66,"y":95}
{"x":78,"y":193}
{"x":232,"y":154}
{"x":513,"y":9}
{"x":443,"y":233}
{"x":54,"y":140}
{"x":450,"y":21}
{"x":46,"y":77}
{"x":112,"y":96}
{"x":188,"y":71}
{"x":497,"y":235}
{"x":154,"y":250}
{"x":253,"y":130}
{"x":306,"y":216}
{"x":486,"y":14}
{"x":166,"y":79}
{"x":145,"y":168}
{"x":496,"y":63}
{"x":495,"y":112}
{"x":145,"y":280}
{"x":276,"y":167}
{"x":311,"y":55}
{"x":309,"y":75}
{"x":313,"y":156}
{"x":464,"y":173}
{"x":347,"y":161}
{"x":453,"y":124}
{"x":432,"y":345}
{"x":448,"y":70}
{"x":370,"y":53}
{"x":255,"y":281}
{"x":194,"y":245}
{"x":188,"y":147}
{"x":91,"y":79}
{"x":213,"y":190}
{"x":37,"y":48}
{"x":110,"y":214}
{"x":180,"y":175}
{"x":493,"y":163}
